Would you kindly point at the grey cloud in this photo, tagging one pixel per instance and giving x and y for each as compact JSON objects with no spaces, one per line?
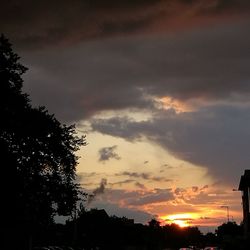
{"x":120,"y":183}
{"x":120,"y":127}
{"x":215,"y":137}
{"x":43,"y":22}
{"x":97,"y":191}
{"x":108,"y":153}
{"x":136,"y":197}
{"x":158,"y":196}
{"x":144,"y":176}
{"x":140,"y":185}
{"x":101,"y":188}
{"x":116,"y":195}
{"x":158,"y":178}
{"x":117,"y":74}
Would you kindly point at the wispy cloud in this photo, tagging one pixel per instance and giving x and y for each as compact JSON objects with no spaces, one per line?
{"x":144,"y":176}
{"x":139,"y":185}
{"x":97,"y":191}
{"x":155,"y":196}
{"x":120,"y":183}
{"x":108,"y":153}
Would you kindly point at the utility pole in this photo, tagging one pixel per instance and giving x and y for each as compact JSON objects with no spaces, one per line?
{"x":227,"y":207}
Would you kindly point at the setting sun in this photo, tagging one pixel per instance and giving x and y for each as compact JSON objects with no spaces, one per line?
{"x":181,"y":223}
{"x":182,"y":220}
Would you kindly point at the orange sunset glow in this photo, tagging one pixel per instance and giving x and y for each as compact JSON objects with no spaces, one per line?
{"x":168,"y":102}
{"x":182,"y":220}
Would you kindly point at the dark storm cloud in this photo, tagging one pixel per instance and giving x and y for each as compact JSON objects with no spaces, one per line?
{"x":108,"y":153}
{"x":121,"y":73}
{"x":214,"y":137}
{"x":42,"y":22}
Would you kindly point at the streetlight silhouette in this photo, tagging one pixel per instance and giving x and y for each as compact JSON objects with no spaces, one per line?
{"x":227,"y":207}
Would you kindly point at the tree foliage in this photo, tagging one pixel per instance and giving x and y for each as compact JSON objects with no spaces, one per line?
{"x":36,"y":146}
{"x":229,"y":229}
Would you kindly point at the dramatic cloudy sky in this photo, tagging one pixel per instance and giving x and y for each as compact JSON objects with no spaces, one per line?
{"x":161,"y":88}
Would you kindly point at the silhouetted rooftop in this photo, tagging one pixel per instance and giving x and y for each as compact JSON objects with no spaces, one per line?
{"x":99,"y":213}
{"x":245,"y":180}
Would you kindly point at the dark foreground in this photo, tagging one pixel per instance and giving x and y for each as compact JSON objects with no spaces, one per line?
{"x":95,"y":230}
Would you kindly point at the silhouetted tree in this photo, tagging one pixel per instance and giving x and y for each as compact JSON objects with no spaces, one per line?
{"x":230,"y":236}
{"x":155,"y":234}
{"x":210,"y":239}
{"x":37,"y":149}
{"x":229,"y":229}
{"x":153,"y":223}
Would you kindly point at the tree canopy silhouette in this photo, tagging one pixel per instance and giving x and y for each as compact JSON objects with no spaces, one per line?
{"x":37,"y":147}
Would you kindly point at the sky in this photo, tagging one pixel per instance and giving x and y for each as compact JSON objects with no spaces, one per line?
{"x":160,"y":88}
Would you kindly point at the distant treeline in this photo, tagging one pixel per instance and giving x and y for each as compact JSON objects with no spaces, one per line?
{"x":94,"y":229}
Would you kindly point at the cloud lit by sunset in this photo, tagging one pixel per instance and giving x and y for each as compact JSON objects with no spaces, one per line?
{"x":176,"y":105}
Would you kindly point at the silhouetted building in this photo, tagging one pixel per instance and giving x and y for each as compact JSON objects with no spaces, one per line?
{"x":99,"y":213}
{"x":244,"y":186}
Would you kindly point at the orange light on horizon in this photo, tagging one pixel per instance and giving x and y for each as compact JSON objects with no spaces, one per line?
{"x":182,"y":220}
